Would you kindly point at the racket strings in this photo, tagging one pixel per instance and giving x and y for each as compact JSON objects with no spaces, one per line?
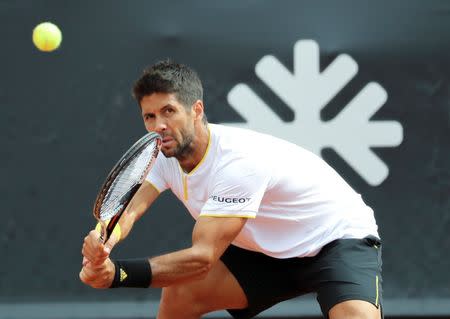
{"x":129,"y":176}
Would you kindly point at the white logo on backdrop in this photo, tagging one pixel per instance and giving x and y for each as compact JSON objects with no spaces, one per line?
{"x":307,"y":91}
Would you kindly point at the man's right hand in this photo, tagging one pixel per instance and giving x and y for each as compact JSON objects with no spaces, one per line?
{"x":94,"y":250}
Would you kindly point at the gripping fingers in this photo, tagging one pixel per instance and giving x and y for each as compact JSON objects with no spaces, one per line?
{"x":115,"y":235}
{"x":93,"y":250}
{"x":89,"y":277}
{"x":98,"y":277}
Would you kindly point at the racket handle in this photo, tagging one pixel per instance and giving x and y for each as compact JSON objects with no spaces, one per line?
{"x":101,"y":227}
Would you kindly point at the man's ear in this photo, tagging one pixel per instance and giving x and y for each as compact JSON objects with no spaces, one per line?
{"x":198,"y":109}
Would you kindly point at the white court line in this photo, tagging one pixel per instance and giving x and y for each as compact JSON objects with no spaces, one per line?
{"x":147,"y":309}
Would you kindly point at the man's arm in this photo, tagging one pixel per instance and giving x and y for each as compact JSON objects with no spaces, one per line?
{"x":95,"y":252}
{"x":211,"y":237}
{"x":139,"y":204}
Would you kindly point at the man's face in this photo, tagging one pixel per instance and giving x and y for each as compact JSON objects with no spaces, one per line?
{"x":163,"y":114}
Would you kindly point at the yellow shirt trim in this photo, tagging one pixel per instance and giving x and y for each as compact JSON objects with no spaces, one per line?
{"x":212,"y":215}
{"x":204,"y":155}
{"x":184,"y":175}
{"x":376,"y":299}
{"x":185,"y":188}
{"x":156,"y":188}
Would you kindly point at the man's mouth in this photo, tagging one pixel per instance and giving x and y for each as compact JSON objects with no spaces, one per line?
{"x":167,"y":140}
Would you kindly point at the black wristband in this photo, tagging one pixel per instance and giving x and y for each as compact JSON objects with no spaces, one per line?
{"x":132,"y":273}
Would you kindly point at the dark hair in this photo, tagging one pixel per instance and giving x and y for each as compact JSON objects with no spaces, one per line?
{"x":169,"y":77}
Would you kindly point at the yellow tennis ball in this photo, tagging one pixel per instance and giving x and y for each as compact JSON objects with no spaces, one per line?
{"x":47,"y":36}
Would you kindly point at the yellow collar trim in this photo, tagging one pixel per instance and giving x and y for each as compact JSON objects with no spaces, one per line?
{"x":203,"y":158}
{"x":204,"y":155}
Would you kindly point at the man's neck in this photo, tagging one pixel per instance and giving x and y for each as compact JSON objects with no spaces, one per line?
{"x":199,"y":146}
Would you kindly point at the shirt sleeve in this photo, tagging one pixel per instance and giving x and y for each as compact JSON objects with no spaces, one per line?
{"x":236,"y":191}
{"x":156,"y":176}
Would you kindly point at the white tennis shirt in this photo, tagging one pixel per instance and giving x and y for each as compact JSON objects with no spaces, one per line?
{"x":296,"y":203}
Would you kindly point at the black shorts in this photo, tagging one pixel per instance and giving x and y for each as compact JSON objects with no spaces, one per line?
{"x":345,"y":269}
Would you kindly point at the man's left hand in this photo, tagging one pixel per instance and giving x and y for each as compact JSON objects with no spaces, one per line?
{"x":98,"y":276}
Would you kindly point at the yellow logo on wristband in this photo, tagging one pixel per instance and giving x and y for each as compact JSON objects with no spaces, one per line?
{"x":123,"y":275}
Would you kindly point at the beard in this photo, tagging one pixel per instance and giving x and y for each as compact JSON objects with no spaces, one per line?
{"x":182,"y":148}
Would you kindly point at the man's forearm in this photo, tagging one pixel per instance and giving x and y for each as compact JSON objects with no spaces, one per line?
{"x":137,"y":207}
{"x":180,"y":266}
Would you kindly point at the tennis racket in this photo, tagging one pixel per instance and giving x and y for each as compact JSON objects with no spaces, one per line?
{"x":123,"y":181}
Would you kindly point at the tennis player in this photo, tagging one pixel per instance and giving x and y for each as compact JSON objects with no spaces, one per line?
{"x":273,"y":220}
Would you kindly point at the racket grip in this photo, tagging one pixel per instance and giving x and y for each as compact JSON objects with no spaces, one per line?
{"x":116,"y":231}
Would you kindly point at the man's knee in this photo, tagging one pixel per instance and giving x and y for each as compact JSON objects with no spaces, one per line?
{"x":355,"y":309}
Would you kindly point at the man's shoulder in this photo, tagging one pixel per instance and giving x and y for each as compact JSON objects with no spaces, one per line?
{"x":222,"y":129}
{"x":237,"y":151}
{"x":246,"y":141}
{"x":230,"y":141}
{"x":237,"y":136}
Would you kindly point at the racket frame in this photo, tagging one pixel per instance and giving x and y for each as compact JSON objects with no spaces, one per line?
{"x":129,"y":155}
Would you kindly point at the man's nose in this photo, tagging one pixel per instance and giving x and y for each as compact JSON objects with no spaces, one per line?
{"x":160,"y":125}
